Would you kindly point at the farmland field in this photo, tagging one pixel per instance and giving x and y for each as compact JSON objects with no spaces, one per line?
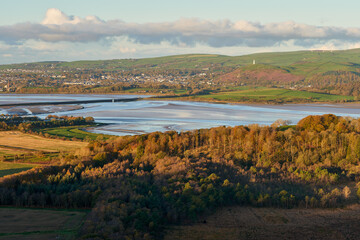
{"x":71,"y":132}
{"x":20,"y":151}
{"x":11,"y":168}
{"x":273,"y":94}
{"x":39,"y":224}
{"x":28,"y":142}
{"x":272,"y":223}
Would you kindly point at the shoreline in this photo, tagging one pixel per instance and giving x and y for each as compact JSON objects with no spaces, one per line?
{"x":160,"y":114}
{"x":164,"y":98}
{"x":148,"y":96}
{"x":252,"y":103}
{"x":44,"y":109}
{"x":69,"y":102}
{"x":153,"y":96}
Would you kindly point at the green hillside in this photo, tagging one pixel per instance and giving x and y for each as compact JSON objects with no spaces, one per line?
{"x":300,"y":62}
{"x":272,"y":95}
{"x":328,"y":72}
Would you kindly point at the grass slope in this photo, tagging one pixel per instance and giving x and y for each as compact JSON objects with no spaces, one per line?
{"x":272,"y":94}
{"x":73,"y":132}
{"x":8,"y":168}
{"x":39,"y":224}
{"x":20,"y":151}
{"x":28,"y":142}
{"x":270,"y":223}
{"x":299,"y":62}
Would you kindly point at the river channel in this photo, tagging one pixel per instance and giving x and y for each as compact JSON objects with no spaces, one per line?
{"x":144,"y":116}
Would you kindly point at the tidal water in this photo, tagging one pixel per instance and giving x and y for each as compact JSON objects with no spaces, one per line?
{"x":129,"y":118}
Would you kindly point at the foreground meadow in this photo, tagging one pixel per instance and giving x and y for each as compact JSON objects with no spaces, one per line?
{"x":29,"y":142}
{"x":22,"y":151}
{"x":233,"y":223}
{"x":39,"y":224}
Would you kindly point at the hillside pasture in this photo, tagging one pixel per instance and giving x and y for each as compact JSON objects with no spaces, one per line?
{"x":271,"y":223}
{"x":28,"y":142}
{"x":72,"y":132}
{"x":39,"y":224}
{"x":8,"y":168}
{"x":263,"y":94}
{"x":20,"y":151}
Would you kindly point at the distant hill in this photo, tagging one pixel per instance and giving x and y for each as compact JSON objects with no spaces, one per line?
{"x":334,"y":72}
{"x":299,"y":63}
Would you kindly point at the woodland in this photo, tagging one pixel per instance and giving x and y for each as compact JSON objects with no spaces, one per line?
{"x":134,"y":187}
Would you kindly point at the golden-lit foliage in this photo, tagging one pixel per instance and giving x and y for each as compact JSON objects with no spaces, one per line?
{"x":136,"y":185}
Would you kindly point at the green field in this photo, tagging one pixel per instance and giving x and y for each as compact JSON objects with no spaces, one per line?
{"x":73,"y":132}
{"x":39,"y":224}
{"x":7,"y":168}
{"x":273,"y":94}
{"x":297,"y":62}
{"x":234,"y":223}
{"x":21,"y":151}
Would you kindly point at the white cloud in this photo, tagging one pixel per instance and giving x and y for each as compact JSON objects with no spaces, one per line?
{"x":44,"y":46}
{"x":63,"y":37}
{"x":247,"y":26}
{"x":57,"y":26}
{"x":56,"y":17}
{"x":127,"y":50}
{"x":336,"y":45}
{"x":122,"y":47}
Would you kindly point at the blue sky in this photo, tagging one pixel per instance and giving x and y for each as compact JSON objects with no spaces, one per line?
{"x":39,"y":30}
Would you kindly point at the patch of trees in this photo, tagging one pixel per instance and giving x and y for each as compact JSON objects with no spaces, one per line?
{"x":136,"y":185}
{"x":336,"y":82}
{"x":29,"y":124}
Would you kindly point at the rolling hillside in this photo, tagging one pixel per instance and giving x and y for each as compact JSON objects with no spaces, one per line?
{"x":330,"y":72}
{"x":300,"y":62}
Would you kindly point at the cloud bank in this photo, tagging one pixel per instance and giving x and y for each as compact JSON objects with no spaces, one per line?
{"x":58,"y":27}
{"x":62,"y":37}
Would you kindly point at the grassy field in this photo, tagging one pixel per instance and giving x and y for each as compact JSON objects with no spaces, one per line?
{"x":263,"y":94}
{"x":73,"y":132}
{"x":27,"y":142}
{"x":8,"y":168}
{"x":270,"y":223}
{"x":20,"y":151}
{"x":39,"y":224}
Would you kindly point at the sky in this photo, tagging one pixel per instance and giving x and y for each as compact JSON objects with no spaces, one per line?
{"x":64,"y":30}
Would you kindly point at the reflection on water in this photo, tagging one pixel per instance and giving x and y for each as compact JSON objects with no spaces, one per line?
{"x":127,"y":118}
{"x":27,"y":98}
